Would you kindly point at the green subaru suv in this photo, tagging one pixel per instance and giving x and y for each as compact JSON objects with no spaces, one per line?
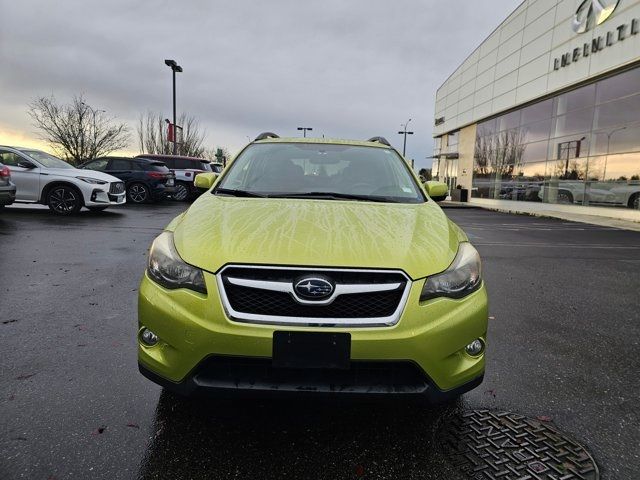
{"x":316,"y":266}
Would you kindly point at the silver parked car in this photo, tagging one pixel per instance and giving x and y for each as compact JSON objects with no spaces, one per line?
{"x":43,"y":178}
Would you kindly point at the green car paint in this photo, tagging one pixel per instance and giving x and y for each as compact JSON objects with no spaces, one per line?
{"x":415,"y":238}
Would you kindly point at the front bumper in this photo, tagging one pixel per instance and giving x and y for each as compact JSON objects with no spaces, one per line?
{"x":248,"y":376}
{"x":193,"y":328}
{"x":160,"y":190}
{"x":102,"y":198}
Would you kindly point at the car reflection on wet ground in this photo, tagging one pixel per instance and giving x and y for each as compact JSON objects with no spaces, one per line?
{"x":563,"y":342}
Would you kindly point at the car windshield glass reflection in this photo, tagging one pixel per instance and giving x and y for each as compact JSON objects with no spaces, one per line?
{"x":47,"y":160}
{"x":322,"y":171}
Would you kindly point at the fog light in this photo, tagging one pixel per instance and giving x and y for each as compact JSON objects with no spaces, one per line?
{"x":475,"y":348}
{"x":148,"y":337}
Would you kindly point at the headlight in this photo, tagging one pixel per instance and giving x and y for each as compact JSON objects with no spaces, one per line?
{"x":93,"y":181}
{"x":461,"y":278}
{"x":169,"y":270}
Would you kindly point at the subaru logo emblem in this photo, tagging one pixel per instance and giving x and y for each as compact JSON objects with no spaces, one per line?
{"x":592,"y":12}
{"x":313,"y":288}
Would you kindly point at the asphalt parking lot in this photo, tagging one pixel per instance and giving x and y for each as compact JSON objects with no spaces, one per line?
{"x":564,"y":342}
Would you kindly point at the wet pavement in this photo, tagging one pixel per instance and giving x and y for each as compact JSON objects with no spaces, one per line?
{"x":564,"y":339}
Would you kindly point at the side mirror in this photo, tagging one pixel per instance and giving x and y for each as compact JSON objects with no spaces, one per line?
{"x":438,"y":191}
{"x":205,"y":180}
{"x":26,"y":164}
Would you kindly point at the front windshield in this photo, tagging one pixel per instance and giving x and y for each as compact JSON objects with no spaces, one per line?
{"x":320,"y":170}
{"x":47,"y":160}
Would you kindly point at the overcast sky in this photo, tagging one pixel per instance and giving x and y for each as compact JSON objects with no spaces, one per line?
{"x":347,"y":68}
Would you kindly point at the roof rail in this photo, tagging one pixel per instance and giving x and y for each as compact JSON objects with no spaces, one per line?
{"x":381,"y":140}
{"x":265,"y":135}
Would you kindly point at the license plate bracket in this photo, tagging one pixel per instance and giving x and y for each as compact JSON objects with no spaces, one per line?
{"x":311,"y":350}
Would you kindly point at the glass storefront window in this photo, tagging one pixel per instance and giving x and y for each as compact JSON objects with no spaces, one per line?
{"x":578,"y":148}
{"x":619,"y":86}
{"x":487,"y":128}
{"x":617,"y":140}
{"x":537,"y":131}
{"x":509,"y":121}
{"x":535,"y":152}
{"x":573,"y":146}
{"x":580,"y":98}
{"x":619,"y":112}
{"x":536,"y":112}
{"x":573,"y":122}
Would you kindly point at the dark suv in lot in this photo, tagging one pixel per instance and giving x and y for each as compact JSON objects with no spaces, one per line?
{"x":185,"y":170}
{"x":146,"y":180}
{"x":7,"y":187}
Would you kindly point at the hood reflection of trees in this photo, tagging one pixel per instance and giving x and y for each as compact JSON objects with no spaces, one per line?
{"x":293,"y":438}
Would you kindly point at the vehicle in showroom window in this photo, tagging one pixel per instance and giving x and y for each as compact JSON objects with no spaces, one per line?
{"x":614,"y":193}
{"x":319,"y":266}
{"x":43,"y":178}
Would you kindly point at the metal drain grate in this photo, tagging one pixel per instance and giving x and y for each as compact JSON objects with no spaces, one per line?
{"x":489,"y":445}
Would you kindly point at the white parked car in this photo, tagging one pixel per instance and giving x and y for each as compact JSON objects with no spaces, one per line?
{"x":43,"y":178}
{"x":622,"y":194}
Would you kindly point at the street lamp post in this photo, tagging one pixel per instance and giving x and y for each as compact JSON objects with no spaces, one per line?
{"x":405,"y":133}
{"x":304,"y":130}
{"x":174,"y":68}
{"x":606,"y":158}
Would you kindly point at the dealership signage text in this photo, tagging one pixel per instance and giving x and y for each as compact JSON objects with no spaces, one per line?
{"x":598,"y":43}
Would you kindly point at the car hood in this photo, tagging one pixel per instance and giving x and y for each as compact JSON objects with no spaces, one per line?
{"x":416,"y":238}
{"x":77,"y":172}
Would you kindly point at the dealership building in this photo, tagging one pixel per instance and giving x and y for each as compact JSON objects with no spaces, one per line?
{"x":545,"y":113}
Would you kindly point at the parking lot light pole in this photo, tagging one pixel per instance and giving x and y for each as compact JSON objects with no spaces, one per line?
{"x":405,"y":133}
{"x":304,"y":130}
{"x":174,"y":68}
{"x":606,"y":158}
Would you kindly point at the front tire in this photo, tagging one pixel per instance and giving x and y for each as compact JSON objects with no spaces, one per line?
{"x":64,"y":200}
{"x":565,"y":198}
{"x":138,"y":193}
{"x":634,"y":201}
{"x":182,"y":192}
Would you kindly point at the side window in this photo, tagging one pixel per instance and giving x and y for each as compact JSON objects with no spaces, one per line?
{"x":179,"y":164}
{"x":99,"y":165}
{"x":9,"y":158}
{"x":120,"y":165}
{"x":171,"y":163}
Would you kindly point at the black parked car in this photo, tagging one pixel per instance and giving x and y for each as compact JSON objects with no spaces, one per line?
{"x":7,"y":187}
{"x":185,"y":169}
{"x":145,"y":180}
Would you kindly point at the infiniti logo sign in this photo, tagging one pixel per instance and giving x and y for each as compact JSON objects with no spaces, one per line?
{"x":313,"y":288}
{"x":592,"y":12}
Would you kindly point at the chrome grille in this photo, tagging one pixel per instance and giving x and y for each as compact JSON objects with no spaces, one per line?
{"x":266,"y":295}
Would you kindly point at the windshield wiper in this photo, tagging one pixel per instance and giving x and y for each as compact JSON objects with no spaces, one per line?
{"x":238,"y":193}
{"x":334,"y":196}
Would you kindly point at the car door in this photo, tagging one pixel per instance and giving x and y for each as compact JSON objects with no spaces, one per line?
{"x":27,"y":180}
{"x":121,"y":168}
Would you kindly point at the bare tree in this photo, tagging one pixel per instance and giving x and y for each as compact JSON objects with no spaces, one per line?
{"x":152,"y":135}
{"x":77,"y":131}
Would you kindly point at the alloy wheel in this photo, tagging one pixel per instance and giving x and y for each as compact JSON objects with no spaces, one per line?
{"x":137,"y":193}
{"x":564,"y":197}
{"x":63,"y":200}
